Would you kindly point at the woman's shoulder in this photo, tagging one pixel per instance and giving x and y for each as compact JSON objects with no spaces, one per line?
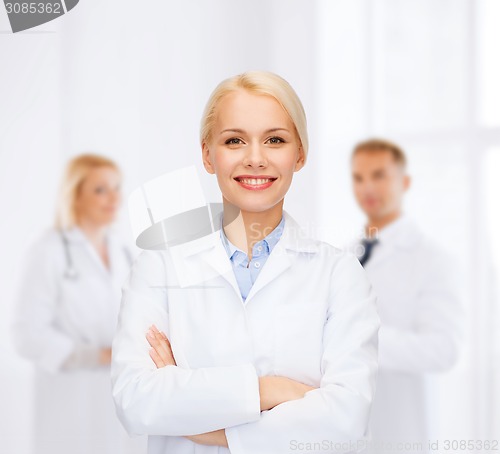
{"x":150,"y":264}
{"x":331,"y":259}
{"x":148,"y":257}
{"x":46,"y":240}
{"x":300,"y":239}
{"x":44,"y":249}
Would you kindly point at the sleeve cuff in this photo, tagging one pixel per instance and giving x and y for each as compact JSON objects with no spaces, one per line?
{"x":253,"y":393}
{"x":54,"y":361}
{"x":234,"y":442}
{"x":83,"y":356}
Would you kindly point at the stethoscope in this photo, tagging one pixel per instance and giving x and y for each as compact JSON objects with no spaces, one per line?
{"x":71,"y":273}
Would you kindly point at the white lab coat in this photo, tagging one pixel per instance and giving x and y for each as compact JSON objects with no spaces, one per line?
{"x":310,"y":316}
{"x":56,"y":318}
{"x":422,"y":328}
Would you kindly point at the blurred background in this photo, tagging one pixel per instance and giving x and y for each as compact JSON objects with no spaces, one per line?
{"x":130,"y":79}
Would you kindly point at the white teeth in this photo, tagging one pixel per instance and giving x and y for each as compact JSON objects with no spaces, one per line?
{"x":255,"y":181}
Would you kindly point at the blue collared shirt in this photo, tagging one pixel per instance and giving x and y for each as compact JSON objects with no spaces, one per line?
{"x":246,"y":276}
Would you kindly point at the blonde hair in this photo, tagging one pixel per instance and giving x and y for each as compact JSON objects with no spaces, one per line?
{"x":263,"y":83}
{"x":77,"y":170}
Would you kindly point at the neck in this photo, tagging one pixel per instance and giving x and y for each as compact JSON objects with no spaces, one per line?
{"x":96,"y":233}
{"x":245,"y":228}
{"x":378,"y":223}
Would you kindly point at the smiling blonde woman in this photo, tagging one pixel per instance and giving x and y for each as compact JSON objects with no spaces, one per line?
{"x":277,"y":351}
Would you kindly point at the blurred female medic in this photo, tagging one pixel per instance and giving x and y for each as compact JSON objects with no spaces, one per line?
{"x":66,"y":315}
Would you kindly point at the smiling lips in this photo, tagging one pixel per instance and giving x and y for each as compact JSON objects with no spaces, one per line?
{"x":255,"y":182}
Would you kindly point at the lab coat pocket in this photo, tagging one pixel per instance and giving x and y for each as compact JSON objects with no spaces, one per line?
{"x":299,"y":333}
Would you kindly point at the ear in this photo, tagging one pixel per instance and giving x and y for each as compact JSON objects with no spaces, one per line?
{"x":300,"y":159}
{"x":205,"y":156}
{"x":406,"y":182}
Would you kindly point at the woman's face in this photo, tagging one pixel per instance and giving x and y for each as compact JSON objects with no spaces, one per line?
{"x":254,"y":151}
{"x":99,"y":197}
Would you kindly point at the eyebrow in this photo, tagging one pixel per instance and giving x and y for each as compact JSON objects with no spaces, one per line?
{"x":241,"y":131}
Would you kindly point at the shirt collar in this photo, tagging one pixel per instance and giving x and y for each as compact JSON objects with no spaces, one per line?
{"x":267,"y":242}
{"x":74,"y":234}
{"x":294,"y":238}
{"x":402,"y":231}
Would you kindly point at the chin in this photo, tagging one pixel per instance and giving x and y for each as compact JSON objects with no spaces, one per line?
{"x":255,"y":207}
{"x":107,"y":220}
{"x":373,"y":209}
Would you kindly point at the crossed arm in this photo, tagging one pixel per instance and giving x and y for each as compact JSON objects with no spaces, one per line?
{"x":273,"y":390}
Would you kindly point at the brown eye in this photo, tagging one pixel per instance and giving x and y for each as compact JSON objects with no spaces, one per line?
{"x":276,"y":140}
{"x":233,"y":141}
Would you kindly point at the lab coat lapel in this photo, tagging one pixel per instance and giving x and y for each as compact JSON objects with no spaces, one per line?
{"x":216,"y":257}
{"x":380,"y":253}
{"x":191,"y":261}
{"x":277,"y":262}
{"x":76,"y":235}
{"x":293,"y":240}
{"x":98,"y":260}
{"x":212,"y":252}
{"x":403,"y":235}
{"x":117,"y":255}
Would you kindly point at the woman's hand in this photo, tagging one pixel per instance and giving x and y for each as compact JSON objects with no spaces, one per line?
{"x":162,"y":355}
{"x":161,"y":351}
{"x":275,"y":390}
{"x":215,"y":438}
{"x":105,"y":356}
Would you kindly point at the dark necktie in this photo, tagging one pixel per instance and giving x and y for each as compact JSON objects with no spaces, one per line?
{"x":368,"y":246}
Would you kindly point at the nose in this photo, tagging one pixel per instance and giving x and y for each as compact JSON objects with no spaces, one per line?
{"x":361,"y":187}
{"x":369,"y":185}
{"x":255,"y":156}
{"x":115,"y":196}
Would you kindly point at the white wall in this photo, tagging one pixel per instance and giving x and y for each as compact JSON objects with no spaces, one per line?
{"x":31,"y":160}
{"x":135,"y":88}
